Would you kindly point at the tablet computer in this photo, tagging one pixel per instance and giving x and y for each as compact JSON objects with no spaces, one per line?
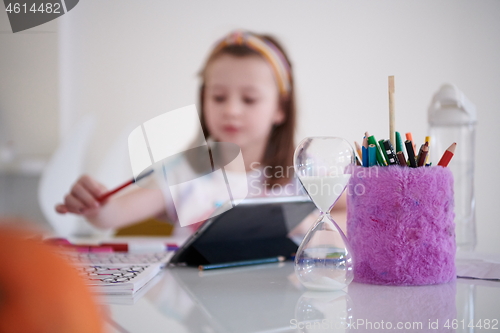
{"x":257,"y":228}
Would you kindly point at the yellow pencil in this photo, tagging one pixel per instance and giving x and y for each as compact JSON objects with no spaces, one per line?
{"x":428,"y":141}
{"x":358,"y":150}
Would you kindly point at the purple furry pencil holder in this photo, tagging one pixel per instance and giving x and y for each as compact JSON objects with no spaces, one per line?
{"x":400,"y":225}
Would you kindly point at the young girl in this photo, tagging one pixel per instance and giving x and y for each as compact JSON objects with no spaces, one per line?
{"x":246,"y":98}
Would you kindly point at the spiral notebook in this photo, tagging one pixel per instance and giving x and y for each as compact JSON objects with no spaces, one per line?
{"x":118,"y":273}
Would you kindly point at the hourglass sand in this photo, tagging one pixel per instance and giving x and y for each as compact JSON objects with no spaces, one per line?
{"x":323,"y":165}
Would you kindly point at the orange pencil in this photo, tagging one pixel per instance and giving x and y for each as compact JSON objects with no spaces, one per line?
{"x":448,"y":154}
{"x":409,"y":136}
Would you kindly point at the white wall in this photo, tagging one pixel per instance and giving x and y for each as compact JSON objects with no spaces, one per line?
{"x":29,"y":110}
{"x":29,"y":114}
{"x":127,"y":61}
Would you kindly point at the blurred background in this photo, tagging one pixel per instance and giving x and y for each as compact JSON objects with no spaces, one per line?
{"x":79,"y":84}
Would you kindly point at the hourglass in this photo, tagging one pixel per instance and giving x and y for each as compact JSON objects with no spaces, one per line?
{"x":315,"y":308}
{"x":323,"y":260}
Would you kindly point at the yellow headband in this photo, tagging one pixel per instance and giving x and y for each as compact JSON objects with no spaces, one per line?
{"x":268,"y":50}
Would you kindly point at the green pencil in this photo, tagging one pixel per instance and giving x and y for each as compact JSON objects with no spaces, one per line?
{"x":381,"y":144}
{"x":399,"y":142}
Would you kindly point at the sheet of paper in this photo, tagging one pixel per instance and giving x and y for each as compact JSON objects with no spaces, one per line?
{"x":478,"y":266}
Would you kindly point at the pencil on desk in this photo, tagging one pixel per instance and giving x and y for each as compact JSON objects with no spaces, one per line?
{"x":242,"y":263}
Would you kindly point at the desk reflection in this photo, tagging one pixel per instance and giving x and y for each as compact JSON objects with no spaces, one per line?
{"x":268,"y":298}
{"x":323,"y":312}
{"x":413,"y":308}
{"x":247,"y":299}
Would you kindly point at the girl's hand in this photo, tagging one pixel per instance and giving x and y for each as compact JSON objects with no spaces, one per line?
{"x":82,"y":199}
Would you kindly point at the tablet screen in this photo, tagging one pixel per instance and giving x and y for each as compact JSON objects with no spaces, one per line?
{"x":252,"y":230}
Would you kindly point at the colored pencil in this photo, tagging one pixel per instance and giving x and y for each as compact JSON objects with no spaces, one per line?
{"x":372,"y":155}
{"x":428,"y":141}
{"x":380,"y":158}
{"x":381,"y":144}
{"x":399,"y":142}
{"x":419,"y":152}
{"x":364,"y":159}
{"x":411,"y":153}
{"x":242,"y":263}
{"x":121,"y":187}
{"x":409,"y":136}
{"x":358,"y":149}
{"x":448,"y":155}
{"x":423,"y":155}
{"x":391,"y":155}
{"x":401,"y":158}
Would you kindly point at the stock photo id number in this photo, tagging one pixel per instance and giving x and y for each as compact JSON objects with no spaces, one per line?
{"x":22,"y":8}
{"x":24,"y":15}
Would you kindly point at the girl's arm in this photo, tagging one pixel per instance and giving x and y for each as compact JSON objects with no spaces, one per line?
{"x":134,"y":206}
{"x":118,"y":211}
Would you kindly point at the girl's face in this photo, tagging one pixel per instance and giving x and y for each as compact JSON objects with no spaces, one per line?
{"x":241,"y":101}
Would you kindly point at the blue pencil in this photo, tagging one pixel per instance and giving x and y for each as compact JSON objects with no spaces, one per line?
{"x":372,"y":155}
{"x":364,"y":151}
{"x":242,"y":263}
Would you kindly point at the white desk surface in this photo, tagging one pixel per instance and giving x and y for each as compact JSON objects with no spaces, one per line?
{"x":268,"y":298}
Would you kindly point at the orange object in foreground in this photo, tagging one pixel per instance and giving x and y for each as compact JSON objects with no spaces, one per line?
{"x":447,"y":156}
{"x":40,"y":292}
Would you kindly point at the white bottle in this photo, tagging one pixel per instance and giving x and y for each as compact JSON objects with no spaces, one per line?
{"x":452,"y":118}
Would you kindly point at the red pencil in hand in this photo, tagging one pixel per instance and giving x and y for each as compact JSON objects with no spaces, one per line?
{"x":448,"y":154}
{"x":119,"y":188}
